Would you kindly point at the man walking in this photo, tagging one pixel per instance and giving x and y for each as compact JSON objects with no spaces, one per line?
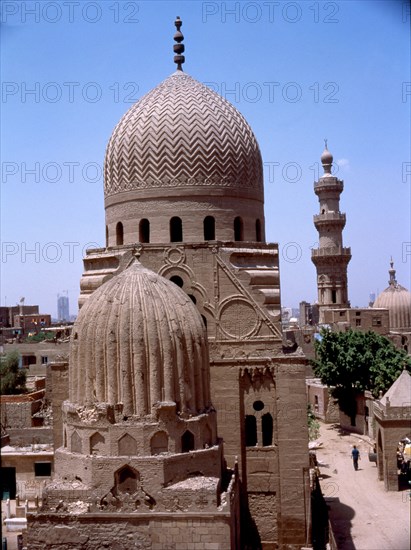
{"x":355,"y":453}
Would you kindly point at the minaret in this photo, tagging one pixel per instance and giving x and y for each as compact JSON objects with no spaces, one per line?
{"x":330,"y":258}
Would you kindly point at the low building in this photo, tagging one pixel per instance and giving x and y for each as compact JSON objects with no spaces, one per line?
{"x":32,"y":322}
{"x":392,"y":413}
{"x":363,"y":319}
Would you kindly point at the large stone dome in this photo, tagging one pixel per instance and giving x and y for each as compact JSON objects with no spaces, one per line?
{"x":397,"y":299}
{"x":138,"y":341}
{"x":183,"y":151}
{"x":182,"y":134}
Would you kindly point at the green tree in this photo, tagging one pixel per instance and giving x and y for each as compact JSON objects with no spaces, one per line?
{"x":354,"y":361}
{"x":12,"y":378}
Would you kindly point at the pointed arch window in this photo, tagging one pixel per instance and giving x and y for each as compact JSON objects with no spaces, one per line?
{"x":250,"y":430}
{"x":238,"y":229}
{"x":267,"y":429}
{"x":187,"y":442}
{"x":119,"y":234}
{"x":209,"y":228}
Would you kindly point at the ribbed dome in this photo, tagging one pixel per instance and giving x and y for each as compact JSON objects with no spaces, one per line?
{"x":182,"y":134}
{"x":139,"y":340}
{"x":397,"y":300}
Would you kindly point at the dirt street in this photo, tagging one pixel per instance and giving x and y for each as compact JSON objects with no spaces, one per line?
{"x":364,"y":516}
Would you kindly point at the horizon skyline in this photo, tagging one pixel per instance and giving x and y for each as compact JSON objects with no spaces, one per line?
{"x":299,"y":74}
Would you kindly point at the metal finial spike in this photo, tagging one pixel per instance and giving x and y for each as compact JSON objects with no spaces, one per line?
{"x":325,"y":142}
{"x":179,"y":47}
{"x":392,"y":272}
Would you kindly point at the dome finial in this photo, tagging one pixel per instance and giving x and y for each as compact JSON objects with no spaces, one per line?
{"x":326,"y":160}
{"x":392,"y":281}
{"x":179,"y":47}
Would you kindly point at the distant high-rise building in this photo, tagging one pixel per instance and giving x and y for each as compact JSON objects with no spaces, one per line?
{"x":63,"y":313}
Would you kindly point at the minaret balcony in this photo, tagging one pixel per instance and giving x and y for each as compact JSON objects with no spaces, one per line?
{"x":329,"y":184}
{"x":330,"y":218}
{"x":331,"y":254}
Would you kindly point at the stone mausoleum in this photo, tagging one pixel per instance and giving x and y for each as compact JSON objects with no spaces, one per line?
{"x":185,"y":421}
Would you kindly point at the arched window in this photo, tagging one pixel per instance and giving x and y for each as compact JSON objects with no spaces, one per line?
{"x":187,"y":442}
{"x":144,"y":231}
{"x":209,"y":228}
{"x":250,"y":430}
{"x":258,"y":236}
{"x":159,"y":443}
{"x":267,"y":428}
{"x":176,"y":230}
{"x":97,"y":442}
{"x":75,"y":441}
{"x":126,"y":480}
{"x":106,"y":236}
{"x":127,"y":446}
{"x":238,"y":229}
{"x":204,"y":320}
{"x":119,"y":234}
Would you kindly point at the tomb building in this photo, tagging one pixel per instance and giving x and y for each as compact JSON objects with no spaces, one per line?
{"x":180,"y":341}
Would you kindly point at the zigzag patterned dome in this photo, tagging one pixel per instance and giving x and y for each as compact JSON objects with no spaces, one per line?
{"x":183,"y":134}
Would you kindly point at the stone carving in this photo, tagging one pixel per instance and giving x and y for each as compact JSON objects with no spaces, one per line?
{"x":182,"y":134}
{"x":238,"y":318}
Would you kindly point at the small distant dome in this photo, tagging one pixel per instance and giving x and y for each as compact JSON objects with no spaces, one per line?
{"x":397,"y":299}
{"x":139,"y":340}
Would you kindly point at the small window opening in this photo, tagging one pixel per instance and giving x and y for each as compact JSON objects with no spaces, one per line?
{"x":176,"y":230}
{"x":144,"y":231}
{"x":250,"y":431}
{"x":119,"y":234}
{"x":42,"y":469}
{"x":258,"y":235}
{"x":209,"y":228}
{"x":267,"y":427}
{"x":238,"y":229}
{"x":187,"y":442}
{"x":177,"y":280}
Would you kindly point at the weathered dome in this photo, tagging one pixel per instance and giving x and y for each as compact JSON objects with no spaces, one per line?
{"x":397,"y":300}
{"x":182,"y":134}
{"x":137,"y":341}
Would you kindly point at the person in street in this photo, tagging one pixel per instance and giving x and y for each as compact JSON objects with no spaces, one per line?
{"x":355,"y":453}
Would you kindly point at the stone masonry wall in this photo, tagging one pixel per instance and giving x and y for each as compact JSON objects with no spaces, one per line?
{"x":126,"y":532}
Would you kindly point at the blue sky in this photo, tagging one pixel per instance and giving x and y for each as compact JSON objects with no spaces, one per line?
{"x":298,"y":71}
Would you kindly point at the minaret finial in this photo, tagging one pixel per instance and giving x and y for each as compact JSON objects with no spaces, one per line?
{"x":392,"y":281}
{"x":326,"y":160}
{"x":179,"y":47}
